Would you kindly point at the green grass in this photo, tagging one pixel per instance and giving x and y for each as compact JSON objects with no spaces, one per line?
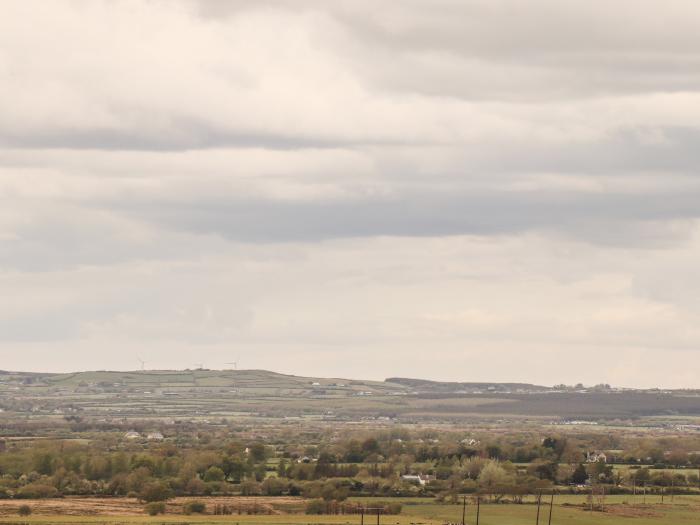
{"x":492,"y":514}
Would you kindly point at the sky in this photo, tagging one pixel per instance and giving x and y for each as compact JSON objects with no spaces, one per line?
{"x":473,"y":190}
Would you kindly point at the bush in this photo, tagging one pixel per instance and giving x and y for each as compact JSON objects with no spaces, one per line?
{"x":24,"y":510}
{"x":155,"y":491}
{"x":37,"y":491}
{"x":155,"y":507}
{"x":315,"y":506}
{"x":195,"y":507}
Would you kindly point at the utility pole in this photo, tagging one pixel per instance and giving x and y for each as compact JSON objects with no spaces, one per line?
{"x":551,"y":506}
{"x":478,"y":505}
{"x":464,"y":510}
{"x":362,"y":516}
{"x":673,"y":489}
{"x":539,"y":501}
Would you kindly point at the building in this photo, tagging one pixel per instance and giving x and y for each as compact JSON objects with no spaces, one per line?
{"x":596,"y":457}
{"x":418,"y":479}
{"x":132,"y":434}
{"x":154,"y":436}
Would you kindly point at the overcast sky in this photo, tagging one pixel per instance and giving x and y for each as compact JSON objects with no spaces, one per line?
{"x":460,"y":190}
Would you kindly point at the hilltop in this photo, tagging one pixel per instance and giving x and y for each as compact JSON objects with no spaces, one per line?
{"x":442,"y":387}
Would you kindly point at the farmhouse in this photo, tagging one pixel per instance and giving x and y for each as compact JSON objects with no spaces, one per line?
{"x":132,"y":434}
{"x":154,"y":436}
{"x":596,"y":457}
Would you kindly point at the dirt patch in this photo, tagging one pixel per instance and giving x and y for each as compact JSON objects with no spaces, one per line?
{"x":628,"y":511}
{"x":132,"y":507}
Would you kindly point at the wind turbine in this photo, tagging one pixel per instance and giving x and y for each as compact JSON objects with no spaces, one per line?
{"x":143,"y":363}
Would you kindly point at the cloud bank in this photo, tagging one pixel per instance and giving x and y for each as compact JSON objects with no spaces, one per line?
{"x":456,"y":190}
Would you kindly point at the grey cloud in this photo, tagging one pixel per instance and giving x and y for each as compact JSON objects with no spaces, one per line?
{"x":428,"y":214}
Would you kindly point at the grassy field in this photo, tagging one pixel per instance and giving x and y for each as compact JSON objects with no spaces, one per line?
{"x":561,"y":515}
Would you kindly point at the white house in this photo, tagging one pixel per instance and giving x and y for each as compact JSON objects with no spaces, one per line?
{"x":596,"y":457}
{"x":419,"y":479}
{"x":132,"y":434}
{"x":154,"y":436}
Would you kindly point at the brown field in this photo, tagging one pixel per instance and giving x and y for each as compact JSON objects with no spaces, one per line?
{"x":82,"y":506}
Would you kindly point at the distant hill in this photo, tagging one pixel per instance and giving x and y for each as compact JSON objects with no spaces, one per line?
{"x":427,"y":386}
{"x":193,"y":380}
{"x":224,"y":394}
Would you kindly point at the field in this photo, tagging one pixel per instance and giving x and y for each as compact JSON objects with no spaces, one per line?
{"x":568,"y":510}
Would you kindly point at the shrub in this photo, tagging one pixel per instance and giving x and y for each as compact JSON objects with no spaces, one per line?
{"x":37,"y":491}
{"x":155,"y":491}
{"x":24,"y":510}
{"x":155,"y":507}
{"x":316,"y":506}
{"x":195,"y":507}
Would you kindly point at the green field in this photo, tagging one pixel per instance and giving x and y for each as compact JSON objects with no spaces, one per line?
{"x":564,"y":515}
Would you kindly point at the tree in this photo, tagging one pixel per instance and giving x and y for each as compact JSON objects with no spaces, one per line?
{"x":195,"y":486}
{"x":580,"y":475}
{"x":495,"y":480}
{"x":234,"y":468}
{"x":43,"y":464}
{"x":282,"y":468}
{"x":491,"y":475}
{"x":273,"y":487}
{"x":250,"y":488}
{"x":214,"y":474}
{"x":257,"y":452}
